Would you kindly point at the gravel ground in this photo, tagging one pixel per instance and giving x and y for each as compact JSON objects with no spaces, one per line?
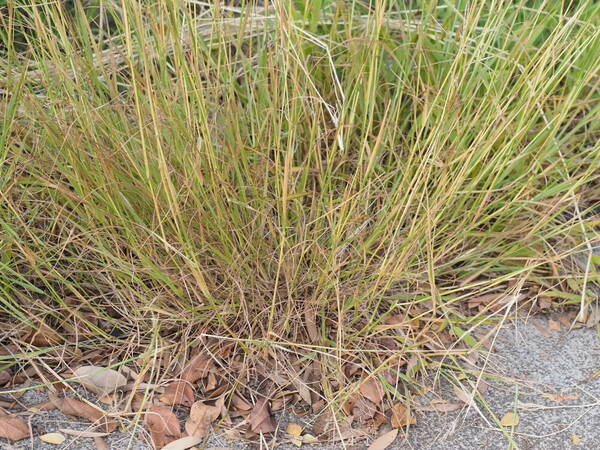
{"x":533,"y":363}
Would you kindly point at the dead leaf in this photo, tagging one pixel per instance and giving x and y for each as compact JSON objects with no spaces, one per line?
{"x":324,"y":424}
{"x":82,"y":433}
{"x":310,"y":320}
{"x":53,"y":438}
{"x":100,"y":443}
{"x":107,"y":399}
{"x":554,"y":325}
{"x":211,"y":383}
{"x":509,"y":420}
{"x":201,"y":418}
{"x":183,"y":443}
{"x":76,"y":408}
{"x":162,"y":420}
{"x":464,"y":397}
{"x":565,"y":320}
{"x":41,"y":335}
{"x":163,"y":425}
{"x":559,"y":397}
{"x":13,"y":428}
{"x":576,"y":440}
{"x":541,"y":329}
{"x":373,"y":390}
{"x":100,"y":380}
{"x":303,"y":390}
{"x":198,"y":367}
{"x":363,"y":410}
{"x":309,"y":439}
{"x":373,"y":424}
{"x":401,"y":416}
{"x":240,"y":403}
{"x":178,"y":393}
{"x":384,"y":441}
{"x":5,"y":376}
{"x":261,"y":420}
{"x":482,"y":386}
{"x":294,"y":429}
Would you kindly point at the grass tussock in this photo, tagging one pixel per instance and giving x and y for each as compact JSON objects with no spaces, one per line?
{"x":328,"y":183}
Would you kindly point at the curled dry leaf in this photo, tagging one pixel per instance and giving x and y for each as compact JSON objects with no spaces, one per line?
{"x":201,"y":418}
{"x":183,"y":443}
{"x":240,"y":403}
{"x":372,"y":390}
{"x":100,"y":380}
{"x":162,"y":420}
{"x":53,"y":438}
{"x":178,"y":393}
{"x":384,"y":441}
{"x":198,"y":367}
{"x":261,"y":420}
{"x":5,"y":376}
{"x":76,"y":408}
{"x":401,"y":416}
{"x":13,"y":428}
{"x":363,"y":410}
{"x":41,"y":335}
{"x":163,"y":425}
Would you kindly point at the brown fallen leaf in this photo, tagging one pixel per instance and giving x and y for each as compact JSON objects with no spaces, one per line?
{"x":554,"y":325}
{"x":372,"y":390}
{"x":183,"y":443}
{"x":363,"y":410}
{"x":100,"y":380}
{"x":303,"y":390}
{"x":82,"y":433}
{"x":384,"y":441}
{"x":178,"y":393}
{"x":76,"y":408}
{"x":198,"y":367}
{"x":163,"y":425}
{"x":509,"y":420}
{"x":566,"y":320}
{"x":211,"y":382}
{"x":41,"y":335}
{"x":541,"y":329}
{"x":294,"y":429}
{"x":201,"y":418}
{"x":240,"y":403}
{"x":401,"y":417}
{"x":13,"y":428}
{"x":559,"y":397}
{"x":5,"y":376}
{"x":100,"y":443}
{"x":261,"y":420}
{"x":464,"y":397}
{"x":53,"y":438}
{"x":482,"y":386}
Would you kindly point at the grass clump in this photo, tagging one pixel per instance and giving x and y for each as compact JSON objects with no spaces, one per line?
{"x":299,"y":184}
